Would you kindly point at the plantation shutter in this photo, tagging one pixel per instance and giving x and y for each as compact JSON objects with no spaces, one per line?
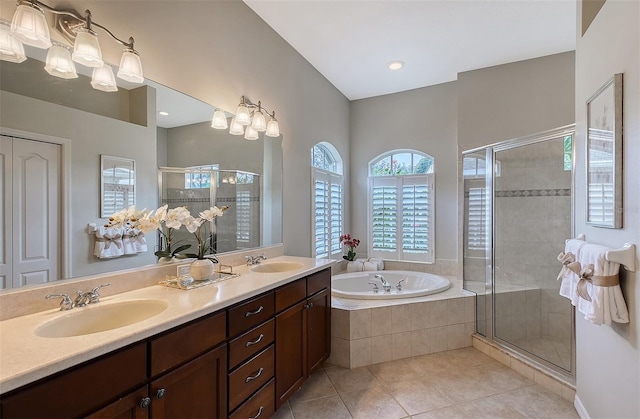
{"x":477,"y":234}
{"x":401,"y":217}
{"x":243,"y":217}
{"x":601,"y":205}
{"x":327,"y":213}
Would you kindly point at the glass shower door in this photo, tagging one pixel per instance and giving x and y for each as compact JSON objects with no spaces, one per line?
{"x":532,"y":219}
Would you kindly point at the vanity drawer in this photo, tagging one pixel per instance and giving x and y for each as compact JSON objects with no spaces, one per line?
{"x":250,"y":376}
{"x":187,"y":342}
{"x":250,"y":314}
{"x":260,"y":405}
{"x":251,"y":342}
{"x":318,"y":281}
{"x":290,"y":294}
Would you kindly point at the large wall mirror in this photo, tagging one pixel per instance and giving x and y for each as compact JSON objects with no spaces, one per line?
{"x":86,"y":124}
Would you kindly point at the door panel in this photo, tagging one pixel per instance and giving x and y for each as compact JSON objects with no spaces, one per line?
{"x":6,"y":207}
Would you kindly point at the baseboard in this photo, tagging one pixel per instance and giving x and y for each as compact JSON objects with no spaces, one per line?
{"x":582,"y":412}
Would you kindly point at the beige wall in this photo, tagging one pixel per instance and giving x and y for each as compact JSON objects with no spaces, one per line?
{"x":516,"y":99}
{"x":608,"y":357}
{"x":421,"y":119}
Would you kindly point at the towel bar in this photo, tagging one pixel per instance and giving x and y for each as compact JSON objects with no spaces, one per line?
{"x":625,"y":256}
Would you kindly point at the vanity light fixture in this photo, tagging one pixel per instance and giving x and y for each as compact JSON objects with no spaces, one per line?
{"x":252,"y":116}
{"x":29,"y":26}
{"x":59,"y":63}
{"x":103,"y":79}
{"x":10,"y":48}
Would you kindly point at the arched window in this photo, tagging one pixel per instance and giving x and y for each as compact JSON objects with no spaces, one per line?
{"x":327,"y":201}
{"x":401,"y":206}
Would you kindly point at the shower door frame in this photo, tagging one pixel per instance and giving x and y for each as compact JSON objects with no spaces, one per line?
{"x":490,"y":174}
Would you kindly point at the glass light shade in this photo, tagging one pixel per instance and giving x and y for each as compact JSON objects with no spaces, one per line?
{"x":250,"y":133}
{"x":258,"y":122}
{"x":130,"y":67}
{"x":29,"y":26}
{"x":273,"y":129}
{"x":10,"y":48}
{"x":59,"y":63}
{"x":243,"y":117}
{"x":235,"y":128}
{"x":86,"y":49}
{"x":103,"y":79}
{"x":219,"y":120}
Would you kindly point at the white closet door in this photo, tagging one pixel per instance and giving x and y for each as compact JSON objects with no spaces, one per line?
{"x":36,"y":186}
{"x":6,"y":220}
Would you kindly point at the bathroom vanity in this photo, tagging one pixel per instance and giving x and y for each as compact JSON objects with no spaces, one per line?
{"x":241,"y":356}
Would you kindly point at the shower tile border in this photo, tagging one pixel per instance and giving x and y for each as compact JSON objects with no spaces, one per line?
{"x":553,"y":383}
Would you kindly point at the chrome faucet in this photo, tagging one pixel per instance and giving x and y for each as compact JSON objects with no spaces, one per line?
{"x":90,"y":297}
{"x":65,"y":304}
{"x":254,"y":260}
{"x":95,"y":295}
{"x":385,"y":284}
{"x":399,"y":285}
{"x":375,"y":287}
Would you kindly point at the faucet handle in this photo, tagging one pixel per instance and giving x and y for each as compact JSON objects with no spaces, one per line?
{"x":375,"y":286}
{"x":399,"y":285}
{"x":65,"y":304}
{"x":95,"y":295}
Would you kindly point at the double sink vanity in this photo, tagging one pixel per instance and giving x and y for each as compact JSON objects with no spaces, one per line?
{"x":239,"y":348}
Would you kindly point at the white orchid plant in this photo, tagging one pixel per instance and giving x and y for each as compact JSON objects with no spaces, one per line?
{"x":166,"y":221}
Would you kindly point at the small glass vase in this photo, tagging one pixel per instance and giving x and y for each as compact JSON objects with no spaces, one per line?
{"x":201,"y":269}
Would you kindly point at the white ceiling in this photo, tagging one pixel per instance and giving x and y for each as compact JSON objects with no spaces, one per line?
{"x":352,"y":42}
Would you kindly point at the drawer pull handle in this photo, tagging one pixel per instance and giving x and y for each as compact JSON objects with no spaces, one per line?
{"x":253,"y":342}
{"x":253,"y":313}
{"x":160,"y":393}
{"x":258,"y":414}
{"x":308,"y":306}
{"x":253,"y":377}
{"x":145,"y":402}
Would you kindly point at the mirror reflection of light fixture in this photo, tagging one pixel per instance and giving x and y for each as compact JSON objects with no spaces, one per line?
{"x":59,"y":63}
{"x":235,"y":128}
{"x":103,"y":79}
{"x":29,"y":27}
{"x":251,"y":115}
{"x":10,"y":48}
{"x":219,"y":120}
{"x":250,"y":133}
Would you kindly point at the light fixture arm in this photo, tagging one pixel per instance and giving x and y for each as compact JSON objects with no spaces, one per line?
{"x":69,"y":28}
{"x":252,"y":106}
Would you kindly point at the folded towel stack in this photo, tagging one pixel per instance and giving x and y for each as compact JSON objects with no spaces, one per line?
{"x":360,"y":265}
{"x":108,"y":243}
{"x":592,"y":283}
{"x":133,"y":241}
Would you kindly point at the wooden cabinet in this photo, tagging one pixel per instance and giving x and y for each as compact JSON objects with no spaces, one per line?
{"x":241,"y":362}
{"x":197,"y":389}
{"x":303,"y":331}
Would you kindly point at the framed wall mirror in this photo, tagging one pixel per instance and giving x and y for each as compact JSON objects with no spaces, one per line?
{"x":604,"y":155}
{"x":117,"y":184}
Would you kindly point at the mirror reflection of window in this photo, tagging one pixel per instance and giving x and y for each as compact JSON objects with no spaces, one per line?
{"x":118,"y":184}
{"x":200,"y":177}
{"x":601,"y":176}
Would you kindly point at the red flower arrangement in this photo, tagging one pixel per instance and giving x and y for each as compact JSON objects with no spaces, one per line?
{"x":351,"y":243}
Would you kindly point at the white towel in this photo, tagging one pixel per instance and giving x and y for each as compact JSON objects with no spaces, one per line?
{"x":379,"y":262}
{"x":133,"y":241}
{"x":355,"y":266}
{"x":370,"y":266}
{"x":570,"y":281}
{"x":607,"y":303}
{"x":108,"y":242}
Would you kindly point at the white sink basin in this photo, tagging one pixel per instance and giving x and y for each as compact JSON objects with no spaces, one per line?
{"x":276,"y":267}
{"x":100,"y":318}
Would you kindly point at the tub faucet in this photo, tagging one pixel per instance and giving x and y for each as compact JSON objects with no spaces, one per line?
{"x":399,"y":285}
{"x":385,"y":284}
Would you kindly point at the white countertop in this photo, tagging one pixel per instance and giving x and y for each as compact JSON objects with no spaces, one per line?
{"x":26,"y":357}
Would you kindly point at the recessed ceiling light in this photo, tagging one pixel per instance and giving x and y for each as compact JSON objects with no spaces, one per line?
{"x":163,"y":113}
{"x":396,"y":65}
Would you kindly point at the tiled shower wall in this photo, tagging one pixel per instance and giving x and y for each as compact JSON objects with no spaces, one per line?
{"x":532,"y":221}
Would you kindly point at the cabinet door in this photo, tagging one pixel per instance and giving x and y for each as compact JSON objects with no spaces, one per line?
{"x":132,"y":406}
{"x":291,"y":357}
{"x":318,"y":329}
{"x":198,"y":389}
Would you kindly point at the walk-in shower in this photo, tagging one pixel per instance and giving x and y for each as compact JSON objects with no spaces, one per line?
{"x":517,"y":215}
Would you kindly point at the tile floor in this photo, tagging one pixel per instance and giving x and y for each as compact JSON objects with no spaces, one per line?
{"x":464,"y":383}
{"x":556,"y":351}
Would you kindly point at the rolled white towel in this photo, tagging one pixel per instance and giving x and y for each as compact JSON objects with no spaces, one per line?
{"x":127,"y":243}
{"x":108,"y":243}
{"x":379,"y":262}
{"x":138,"y":240}
{"x":355,"y":266}
{"x":370,"y":266}
{"x":570,"y":281}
